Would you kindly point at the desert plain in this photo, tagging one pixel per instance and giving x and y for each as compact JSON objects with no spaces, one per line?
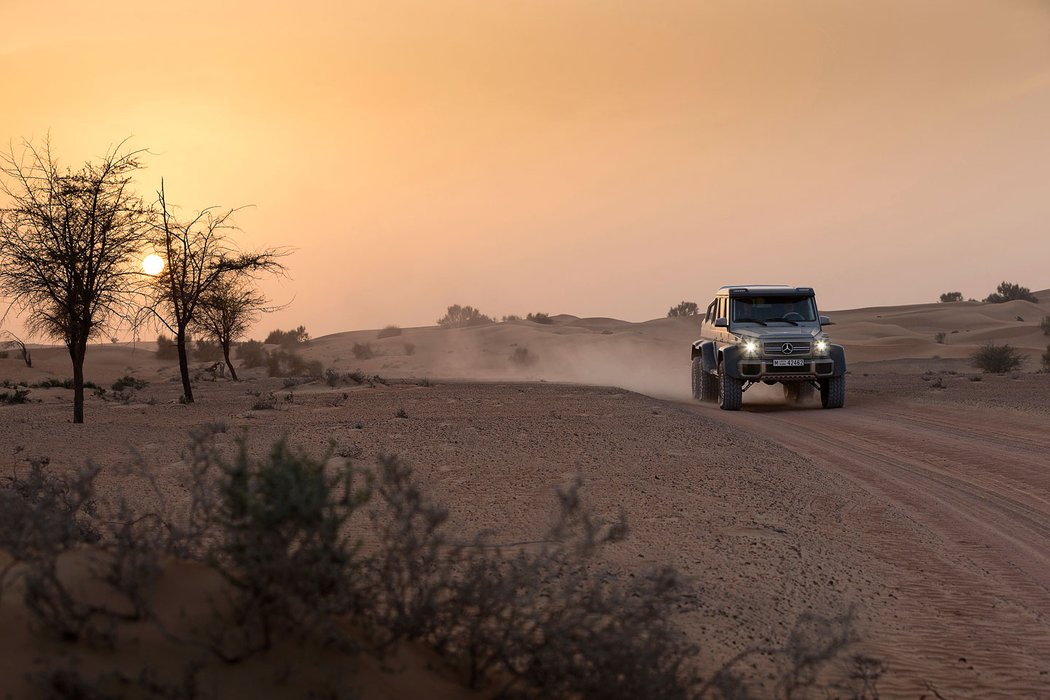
{"x":923,"y":506}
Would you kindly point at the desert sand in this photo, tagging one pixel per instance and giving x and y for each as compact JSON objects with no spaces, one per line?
{"x":924,"y":505}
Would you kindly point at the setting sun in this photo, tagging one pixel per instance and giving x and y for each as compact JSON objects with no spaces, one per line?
{"x":153,"y":264}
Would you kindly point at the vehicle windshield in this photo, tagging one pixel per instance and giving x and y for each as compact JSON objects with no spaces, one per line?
{"x":765,"y":310}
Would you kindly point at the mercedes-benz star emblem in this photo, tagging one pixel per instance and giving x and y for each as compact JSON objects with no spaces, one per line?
{"x":787,"y":348}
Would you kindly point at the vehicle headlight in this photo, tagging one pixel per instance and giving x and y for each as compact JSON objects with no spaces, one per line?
{"x":750,"y":347}
{"x":822,"y":347}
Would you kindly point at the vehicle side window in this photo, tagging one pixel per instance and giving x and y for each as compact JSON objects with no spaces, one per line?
{"x":710,"y":312}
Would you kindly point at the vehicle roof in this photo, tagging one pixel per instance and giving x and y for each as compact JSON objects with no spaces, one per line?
{"x":771,"y":289}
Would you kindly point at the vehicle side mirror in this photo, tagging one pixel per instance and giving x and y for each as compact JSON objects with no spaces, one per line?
{"x":825,"y":321}
{"x":721,"y":323}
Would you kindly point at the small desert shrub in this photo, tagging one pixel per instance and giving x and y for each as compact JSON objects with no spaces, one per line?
{"x":539,"y":317}
{"x":166,"y":348}
{"x":284,"y":546}
{"x":511,"y":317}
{"x":1007,"y":291}
{"x":207,"y":351}
{"x":52,"y":383}
{"x":389,"y":332}
{"x":522,"y":357}
{"x":410,"y":348}
{"x":265,"y":403}
{"x":363,"y":351}
{"x":401,"y":413}
{"x":129,"y":382}
{"x":357,"y":376}
{"x":997,"y":359}
{"x":684,"y":308}
{"x":1046,"y":359}
{"x":251,"y":353}
{"x":1045,"y":325}
{"x":15,"y":396}
{"x":284,"y":363}
{"x":948,"y":297}
{"x":41,"y":517}
{"x":461,"y":316}
{"x":939,"y":337}
{"x":288,"y":339}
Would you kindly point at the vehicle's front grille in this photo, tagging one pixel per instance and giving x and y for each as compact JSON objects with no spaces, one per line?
{"x":779,"y":348}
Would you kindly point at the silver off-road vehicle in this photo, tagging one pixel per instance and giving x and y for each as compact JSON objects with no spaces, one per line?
{"x":771,"y":334}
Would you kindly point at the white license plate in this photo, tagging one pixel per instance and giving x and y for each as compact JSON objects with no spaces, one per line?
{"x":789,"y":363}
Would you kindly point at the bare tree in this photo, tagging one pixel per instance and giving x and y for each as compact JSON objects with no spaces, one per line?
{"x":70,"y":242}
{"x":17,"y":342}
{"x":198,"y":255}
{"x":229,"y":309}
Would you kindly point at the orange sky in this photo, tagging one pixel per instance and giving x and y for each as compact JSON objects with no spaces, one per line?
{"x":596,"y":158}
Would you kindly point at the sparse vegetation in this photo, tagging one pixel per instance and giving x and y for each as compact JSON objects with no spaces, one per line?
{"x":166,"y":349}
{"x":284,"y":363}
{"x":1046,"y":359}
{"x":288,"y":339}
{"x":462,"y":316}
{"x":389,"y":332}
{"x":949,"y":297}
{"x":52,"y":383}
{"x":684,"y":308}
{"x":410,"y":349}
{"x":228,"y":310}
{"x":1008,"y":291}
{"x":997,"y":359}
{"x":15,"y":396}
{"x":1044,"y":325}
{"x":511,"y":317}
{"x":540,"y":317}
{"x":939,"y":337}
{"x":129,"y":382}
{"x":207,"y":351}
{"x":549,"y":620}
{"x":363,"y":351}
{"x":251,"y":353}
{"x":522,"y":356}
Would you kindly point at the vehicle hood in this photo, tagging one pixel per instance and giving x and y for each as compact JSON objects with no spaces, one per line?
{"x":780,"y":333}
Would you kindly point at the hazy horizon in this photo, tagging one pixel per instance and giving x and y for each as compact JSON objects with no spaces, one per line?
{"x":569,"y":157}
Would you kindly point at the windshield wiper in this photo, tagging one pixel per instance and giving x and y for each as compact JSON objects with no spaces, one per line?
{"x":785,"y":320}
{"x":752,"y":320}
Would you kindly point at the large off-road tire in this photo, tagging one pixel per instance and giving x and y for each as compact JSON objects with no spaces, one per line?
{"x":797,"y":392}
{"x":705,"y":387}
{"x":833,"y":392}
{"x":730,"y":391}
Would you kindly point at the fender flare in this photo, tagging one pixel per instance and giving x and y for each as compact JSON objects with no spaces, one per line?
{"x":706,"y":350}
{"x":730,"y":357}
{"x":838,"y":354}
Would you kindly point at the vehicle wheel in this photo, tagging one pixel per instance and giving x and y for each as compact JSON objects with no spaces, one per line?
{"x":708,"y":387}
{"x":730,"y":391}
{"x":833,"y":392}
{"x":698,"y":373}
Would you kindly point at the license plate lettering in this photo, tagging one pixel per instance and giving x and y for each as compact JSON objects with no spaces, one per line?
{"x":789,"y":363}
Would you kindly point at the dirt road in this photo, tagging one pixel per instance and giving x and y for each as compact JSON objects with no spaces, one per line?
{"x":959,"y":506}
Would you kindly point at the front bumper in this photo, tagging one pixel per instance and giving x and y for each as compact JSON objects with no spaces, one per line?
{"x":759,"y":368}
